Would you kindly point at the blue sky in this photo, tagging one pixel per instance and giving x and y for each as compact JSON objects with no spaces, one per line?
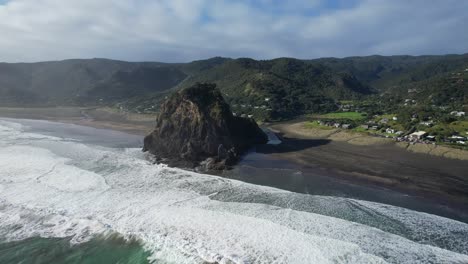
{"x":185,"y":30}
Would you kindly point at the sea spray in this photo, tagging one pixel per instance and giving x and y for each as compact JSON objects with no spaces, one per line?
{"x":56,"y":188}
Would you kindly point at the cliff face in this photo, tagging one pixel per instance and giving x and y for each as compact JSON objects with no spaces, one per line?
{"x":196,"y":126}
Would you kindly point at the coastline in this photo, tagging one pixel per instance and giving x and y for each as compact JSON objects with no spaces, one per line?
{"x":355,"y":158}
{"x":97,"y":117}
{"x":297,"y":129}
{"x":373,"y":160}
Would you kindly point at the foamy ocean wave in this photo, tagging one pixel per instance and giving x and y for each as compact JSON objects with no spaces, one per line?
{"x":55,"y":187}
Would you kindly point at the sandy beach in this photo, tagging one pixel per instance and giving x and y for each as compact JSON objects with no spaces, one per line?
{"x":299,"y":130}
{"x":139,"y":124}
{"x":375,"y":160}
{"x":353,"y":157}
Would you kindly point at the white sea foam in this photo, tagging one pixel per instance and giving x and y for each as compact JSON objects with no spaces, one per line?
{"x":56,"y":188}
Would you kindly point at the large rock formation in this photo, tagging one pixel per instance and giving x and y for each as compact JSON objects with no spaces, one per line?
{"x":196,"y":126}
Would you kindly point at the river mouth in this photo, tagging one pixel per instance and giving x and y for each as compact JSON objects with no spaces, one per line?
{"x":71,"y":191}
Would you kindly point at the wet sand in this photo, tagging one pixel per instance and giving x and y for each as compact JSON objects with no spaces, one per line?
{"x":381,"y":163}
{"x":357,"y":160}
{"x":297,"y":129}
{"x":139,"y":124}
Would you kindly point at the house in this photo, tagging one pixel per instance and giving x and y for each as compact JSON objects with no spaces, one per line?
{"x":346,"y":126}
{"x":394,"y":118}
{"x":267,"y":99}
{"x":427,"y":123}
{"x":399,"y":133}
{"x":431,"y":138}
{"x":461,"y":142}
{"x":249,"y":116}
{"x":374,"y":127}
{"x":390,"y":130}
{"x":364,"y":126}
{"x":337,"y":125}
{"x":417,"y":135}
{"x":455,"y":137}
{"x":457,"y":113}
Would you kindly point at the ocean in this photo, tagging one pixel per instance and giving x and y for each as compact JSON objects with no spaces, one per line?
{"x":74,"y":194}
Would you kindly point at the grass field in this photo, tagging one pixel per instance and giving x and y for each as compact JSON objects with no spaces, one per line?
{"x":315,"y":124}
{"x":342,"y":115}
{"x":459,"y":126}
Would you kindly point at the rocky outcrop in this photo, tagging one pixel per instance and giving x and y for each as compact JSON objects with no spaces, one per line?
{"x":196,"y":128}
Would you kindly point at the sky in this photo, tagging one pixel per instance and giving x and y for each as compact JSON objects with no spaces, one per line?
{"x":186,"y":30}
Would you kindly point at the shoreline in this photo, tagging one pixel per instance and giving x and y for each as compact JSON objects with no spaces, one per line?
{"x":97,"y":117}
{"x":358,"y":159}
{"x":373,"y":160}
{"x":297,"y":129}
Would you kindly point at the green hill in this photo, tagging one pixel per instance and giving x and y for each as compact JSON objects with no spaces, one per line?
{"x":280,"y":88}
{"x":385,"y":72}
{"x":82,"y":81}
{"x":266,"y":89}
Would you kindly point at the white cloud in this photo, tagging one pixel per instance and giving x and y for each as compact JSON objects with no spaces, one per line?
{"x":182,"y":30}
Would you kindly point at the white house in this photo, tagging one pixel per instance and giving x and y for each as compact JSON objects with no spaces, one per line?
{"x":457,"y":113}
{"x":417,"y":135}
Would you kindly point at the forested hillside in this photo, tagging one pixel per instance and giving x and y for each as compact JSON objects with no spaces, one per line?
{"x":265,"y":89}
{"x":82,"y":81}
{"x":281,"y":87}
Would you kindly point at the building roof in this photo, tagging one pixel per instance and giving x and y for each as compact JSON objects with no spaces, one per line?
{"x":419,"y":133}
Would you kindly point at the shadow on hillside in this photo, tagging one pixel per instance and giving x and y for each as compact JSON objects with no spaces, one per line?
{"x":291,"y":145}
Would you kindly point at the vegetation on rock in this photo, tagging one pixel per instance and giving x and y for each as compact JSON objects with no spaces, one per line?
{"x":196,"y":124}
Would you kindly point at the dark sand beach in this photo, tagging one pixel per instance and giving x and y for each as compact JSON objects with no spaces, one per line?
{"x":139,"y":124}
{"x":379,"y":164}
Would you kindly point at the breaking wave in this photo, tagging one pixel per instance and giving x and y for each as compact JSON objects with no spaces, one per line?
{"x":57,"y":187}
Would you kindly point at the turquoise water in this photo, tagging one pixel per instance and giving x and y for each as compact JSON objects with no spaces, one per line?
{"x":59,"y":251}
